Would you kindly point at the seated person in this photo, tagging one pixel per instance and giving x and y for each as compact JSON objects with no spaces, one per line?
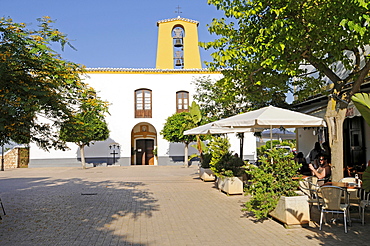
{"x":301,"y":160}
{"x":323,"y":172}
{"x":314,"y":155}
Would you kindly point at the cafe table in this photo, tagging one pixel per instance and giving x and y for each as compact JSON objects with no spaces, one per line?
{"x":300,"y":177}
{"x":343,"y":185}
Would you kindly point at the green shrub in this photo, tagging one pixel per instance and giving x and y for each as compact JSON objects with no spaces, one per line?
{"x":206,"y":159}
{"x":270,"y":181}
{"x":263,"y":148}
{"x":223,"y":162}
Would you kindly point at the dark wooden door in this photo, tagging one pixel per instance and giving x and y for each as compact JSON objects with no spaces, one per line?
{"x":144,"y":152}
{"x":354,"y":144}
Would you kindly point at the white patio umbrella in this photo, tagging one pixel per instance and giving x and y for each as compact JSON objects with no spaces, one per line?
{"x":267,"y":117}
{"x":270,"y":117}
{"x":210,"y":129}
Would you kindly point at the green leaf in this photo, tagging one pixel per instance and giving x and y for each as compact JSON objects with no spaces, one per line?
{"x":195,"y":112}
{"x":362,"y":103}
{"x":366,"y":179}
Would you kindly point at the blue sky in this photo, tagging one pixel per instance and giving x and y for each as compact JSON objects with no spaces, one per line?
{"x":112,"y":33}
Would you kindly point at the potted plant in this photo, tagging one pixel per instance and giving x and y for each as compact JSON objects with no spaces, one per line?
{"x":205,"y":172}
{"x":226,"y":166}
{"x":273,"y":189}
{"x":155,"y":153}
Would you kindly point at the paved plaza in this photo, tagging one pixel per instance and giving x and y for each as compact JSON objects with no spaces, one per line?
{"x":142,"y":206}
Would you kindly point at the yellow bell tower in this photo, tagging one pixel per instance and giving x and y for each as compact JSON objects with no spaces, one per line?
{"x":178,"y":44}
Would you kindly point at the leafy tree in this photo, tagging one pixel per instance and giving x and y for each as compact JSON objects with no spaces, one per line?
{"x":211,"y":97}
{"x":87,"y":124}
{"x":173,"y":130}
{"x":35,"y":83}
{"x":230,"y":96}
{"x":265,"y":48}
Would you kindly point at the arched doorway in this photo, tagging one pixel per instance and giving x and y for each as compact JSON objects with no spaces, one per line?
{"x":143,"y":144}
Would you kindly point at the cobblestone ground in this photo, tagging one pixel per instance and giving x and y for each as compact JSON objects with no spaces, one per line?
{"x":142,"y":206}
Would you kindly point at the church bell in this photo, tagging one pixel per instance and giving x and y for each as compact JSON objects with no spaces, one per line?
{"x":178,"y":63}
{"x":178,"y":42}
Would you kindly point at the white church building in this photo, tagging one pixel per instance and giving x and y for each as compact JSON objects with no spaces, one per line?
{"x":140,"y":102}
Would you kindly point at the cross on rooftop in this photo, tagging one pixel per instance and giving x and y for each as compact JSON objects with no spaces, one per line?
{"x":178,"y":10}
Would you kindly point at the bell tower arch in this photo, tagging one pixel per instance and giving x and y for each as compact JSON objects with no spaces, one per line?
{"x":178,"y":44}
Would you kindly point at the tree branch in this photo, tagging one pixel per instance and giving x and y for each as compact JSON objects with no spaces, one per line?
{"x":253,"y":73}
{"x":305,"y":74}
{"x":356,"y":52}
{"x":357,"y":65}
{"x":363,"y":73}
{"x":322,"y":67}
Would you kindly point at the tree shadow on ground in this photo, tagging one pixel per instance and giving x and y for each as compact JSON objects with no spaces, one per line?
{"x":331,"y":233}
{"x":45,"y":211}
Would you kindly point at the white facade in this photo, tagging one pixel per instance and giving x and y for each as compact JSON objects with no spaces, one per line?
{"x":118,"y":86}
{"x":119,"y":90}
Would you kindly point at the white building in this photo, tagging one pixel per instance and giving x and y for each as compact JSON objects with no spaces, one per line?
{"x":141,"y":101}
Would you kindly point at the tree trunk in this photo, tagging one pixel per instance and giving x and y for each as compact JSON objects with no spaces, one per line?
{"x":82,"y":151}
{"x":241,"y":145}
{"x":186,"y":155}
{"x":199,"y":147}
{"x":335,"y":118}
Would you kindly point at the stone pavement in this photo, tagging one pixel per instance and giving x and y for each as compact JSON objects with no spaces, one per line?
{"x":141,"y":206}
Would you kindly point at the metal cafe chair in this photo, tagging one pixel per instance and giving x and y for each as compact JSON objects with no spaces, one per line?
{"x":354,"y":194}
{"x":365,"y":202}
{"x":312,"y":191}
{"x":332,"y":203}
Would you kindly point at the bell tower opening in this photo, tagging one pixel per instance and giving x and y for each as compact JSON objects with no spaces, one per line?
{"x":178,"y":47}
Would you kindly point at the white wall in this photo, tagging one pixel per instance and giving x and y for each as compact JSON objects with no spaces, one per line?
{"x":118,"y":89}
{"x":306,"y":140}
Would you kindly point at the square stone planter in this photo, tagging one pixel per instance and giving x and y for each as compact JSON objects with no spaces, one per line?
{"x":292,"y":211}
{"x":230,"y":185}
{"x":206,"y":174}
